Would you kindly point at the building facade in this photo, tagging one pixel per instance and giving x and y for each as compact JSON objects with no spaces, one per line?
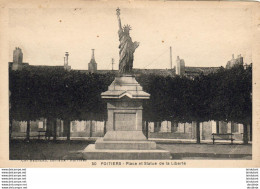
{"x":165,"y":129}
{"x":180,"y":66}
{"x":235,"y":61}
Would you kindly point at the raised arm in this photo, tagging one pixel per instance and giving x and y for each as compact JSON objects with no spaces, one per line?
{"x":118,"y":18}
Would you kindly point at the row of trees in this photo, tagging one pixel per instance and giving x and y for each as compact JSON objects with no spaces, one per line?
{"x":70,"y":95}
{"x":225,"y":95}
{"x":53,"y":93}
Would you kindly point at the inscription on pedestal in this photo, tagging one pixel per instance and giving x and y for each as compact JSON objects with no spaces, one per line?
{"x":124,"y":121}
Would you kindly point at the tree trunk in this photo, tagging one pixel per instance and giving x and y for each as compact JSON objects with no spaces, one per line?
{"x":66,"y":127}
{"x":28,"y":130}
{"x":245,"y":135}
{"x":217,"y":129}
{"x":10,"y":128}
{"x":251,"y":132}
{"x":105,"y":127}
{"x":143,"y":127}
{"x":90,"y":129}
{"x":48,"y":129}
{"x":172,"y":126}
{"x":146,"y":129}
{"x":68,"y":130}
{"x":55,"y":130}
{"x":198,"y":132}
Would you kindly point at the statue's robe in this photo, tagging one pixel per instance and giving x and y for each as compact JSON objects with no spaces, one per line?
{"x":126,"y":53}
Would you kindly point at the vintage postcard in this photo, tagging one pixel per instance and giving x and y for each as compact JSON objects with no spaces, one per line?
{"x":129,"y":84}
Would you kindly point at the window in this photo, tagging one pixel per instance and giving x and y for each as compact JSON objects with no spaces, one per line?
{"x":234,"y":127}
{"x":40,"y":125}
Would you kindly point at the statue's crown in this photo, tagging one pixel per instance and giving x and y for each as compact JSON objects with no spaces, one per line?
{"x":127,"y":27}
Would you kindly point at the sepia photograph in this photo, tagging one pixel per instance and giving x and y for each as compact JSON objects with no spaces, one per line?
{"x":131,"y":81}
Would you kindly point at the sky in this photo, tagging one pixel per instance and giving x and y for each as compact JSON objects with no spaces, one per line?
{"x":202,"y":36}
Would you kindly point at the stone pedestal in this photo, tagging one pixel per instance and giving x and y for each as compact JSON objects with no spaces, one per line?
{"x":124,"y":138}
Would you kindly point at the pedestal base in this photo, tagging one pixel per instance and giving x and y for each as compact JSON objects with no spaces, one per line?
{"x":124,"y":139}
{"x":124,"y":136}
{"x":91,"y":153}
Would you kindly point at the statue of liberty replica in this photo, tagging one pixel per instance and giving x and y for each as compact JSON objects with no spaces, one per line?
{"x":124,"y":138}
{"x":127,"y":47}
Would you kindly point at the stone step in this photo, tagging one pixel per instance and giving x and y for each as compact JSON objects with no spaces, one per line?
{"x":123,"y":145}
{"x":90,"y":153}
{"x":124,"y":136}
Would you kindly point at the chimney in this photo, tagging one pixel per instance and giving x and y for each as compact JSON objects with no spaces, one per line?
{"x":113,"y":64}
{"x":66,"y":62}
{"x":232,"y":56}
{"x":92,"y":65}
{"x":93,"y":56}
{"x":17,"y":56}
